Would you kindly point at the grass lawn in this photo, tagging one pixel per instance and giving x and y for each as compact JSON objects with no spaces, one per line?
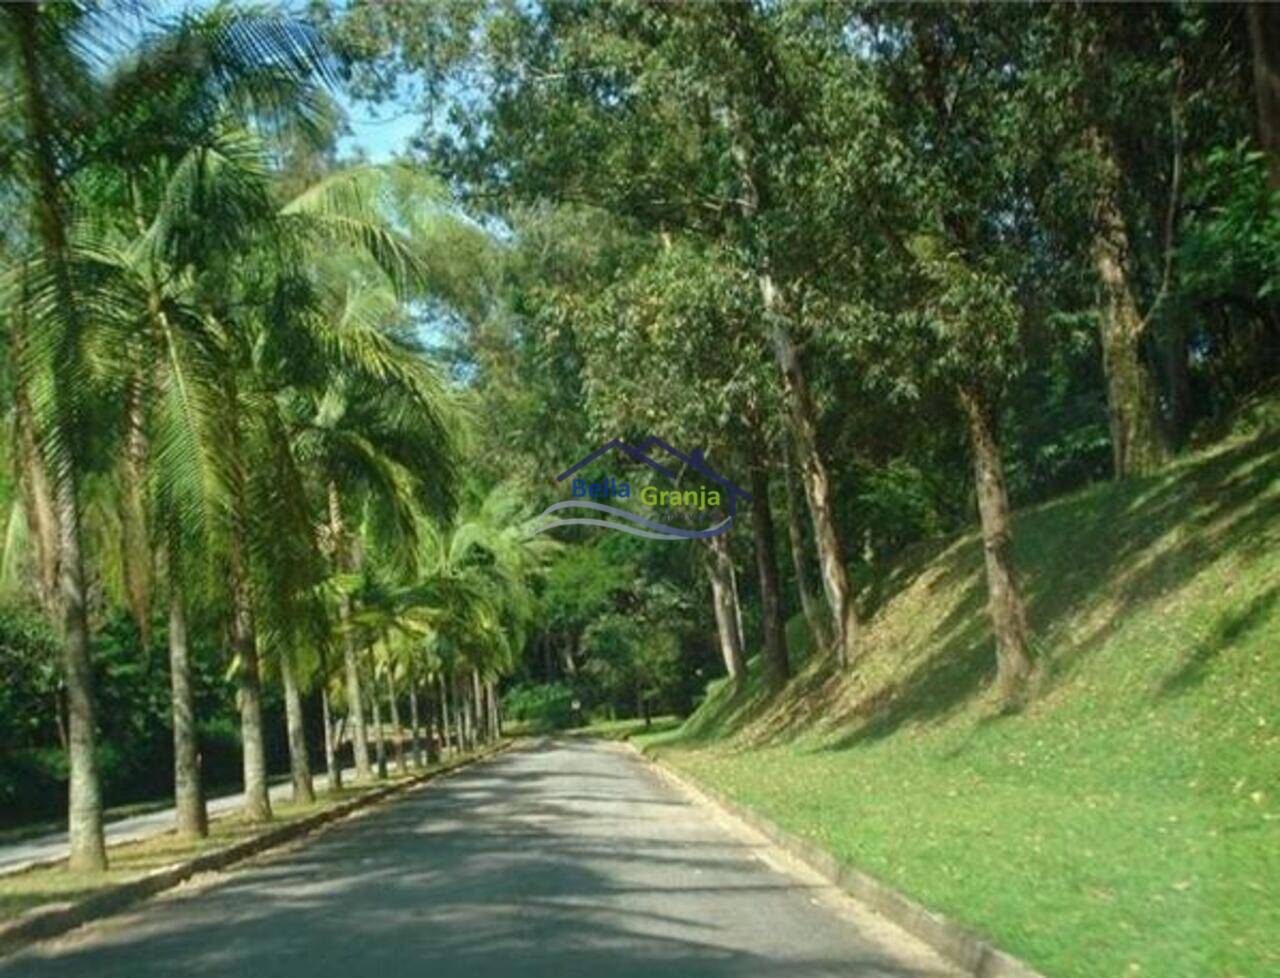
{"x":1127,"y":822}
{"x":625,"y":729}
{"x":24,"y":891}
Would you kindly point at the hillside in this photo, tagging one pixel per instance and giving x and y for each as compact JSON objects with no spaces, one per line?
{"x":1126,"y":822}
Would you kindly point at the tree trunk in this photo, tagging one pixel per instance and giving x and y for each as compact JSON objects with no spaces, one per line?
{"x":753,"y":201}
{"x":304,"y":792}
{"x":777,"y":666}
{"x":1004,"y":598}
{"x":814,"y":615}
{"x":477,"y":708}
{"x":379,"y":738}
{"x":84,"y":816}
{"x":355,"y":700}
{"x":1264,"y":38}
{"x":397,"y":734}
{"x":718,"y":570}
{"x":416,"y":720}
{"x":188,"y":792}
{"x":433,"y":728}
{"x":136,"y":565}
{"x":84,"y":808}
{"x":257,"y":801}
{"x":448,"y":721}
{"x":817,"y":485}
{"x":495,"y":711}
{"x":468,"y":721}
{"x":331,"y":764}
{"x":1136,"y":447}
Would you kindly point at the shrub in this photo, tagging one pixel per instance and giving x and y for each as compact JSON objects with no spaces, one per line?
{"x":544,"y":706}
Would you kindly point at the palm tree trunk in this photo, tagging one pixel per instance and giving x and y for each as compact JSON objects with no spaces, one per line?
{"x":1004,"y":598}
{"x":355,"y":701}
{"x":84,"y":801}
{"x":84,"y":815}
{"x":188,"y":792}
{"x":433,"y":728}
{"x":468,"y":723}
{"x":495,"y":711}
{"x":355,"y":709}
{"x":397,"y":734}
{"x":331,"y":764}
{"x":379,"y":739}
{"x":416,"y":720}
{"x":477,"y":708}
{"x":257,"y":800}
{"x":448,"y":721}
{"x":304,"y":792}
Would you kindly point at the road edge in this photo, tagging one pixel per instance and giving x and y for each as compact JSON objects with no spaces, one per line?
{"x":43,"y":923}
{"x":960,"y":946}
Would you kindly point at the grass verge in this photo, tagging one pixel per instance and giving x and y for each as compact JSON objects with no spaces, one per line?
{"x":1126,"y":822}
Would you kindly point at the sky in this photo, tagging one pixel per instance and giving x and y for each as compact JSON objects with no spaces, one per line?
{"x":380,"y":133}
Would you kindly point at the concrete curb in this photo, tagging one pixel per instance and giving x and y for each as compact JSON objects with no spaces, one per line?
{"x":42,"y":923}
{"x":971,"y":953}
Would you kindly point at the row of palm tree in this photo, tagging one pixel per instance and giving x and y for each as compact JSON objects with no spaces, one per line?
{"x":217,"y":402}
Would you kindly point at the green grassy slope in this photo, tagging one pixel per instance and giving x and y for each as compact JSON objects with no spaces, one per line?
{"x":1128,"y":821}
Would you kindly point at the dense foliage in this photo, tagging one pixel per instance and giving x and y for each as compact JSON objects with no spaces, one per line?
{"x":279,"y":422}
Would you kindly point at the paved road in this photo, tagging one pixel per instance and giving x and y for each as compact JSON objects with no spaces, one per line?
{"x":18,"y":855}
{"x":565,"y":860}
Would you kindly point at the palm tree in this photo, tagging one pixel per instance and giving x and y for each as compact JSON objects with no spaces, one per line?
{"x":46,"y":60}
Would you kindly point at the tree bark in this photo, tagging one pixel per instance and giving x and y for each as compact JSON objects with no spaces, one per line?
{"x":448,"y":721}
{"x":433,"y":727}
{"x":402,"y":763}
{"x":188,"y":791}
{"x":257,"y":801}
{"x":355,"y":700}
{"x":495,"y":710}
{"x":1136,"y":447}
{"x":477,"y":708}
{"x":1264,"y":38}
{"x":84,"y":815}
{"x":331,"y":764}
{"x":777,"y":666}
{"x":304,"y":792}
{"x":814,"y":614}
{"x":817,"y":484}
{"x":416,"y":720}
{"x":719,"y":569}
{"x":1004,"y":597}
{"x":468,"y":720}
{"x":379,"y":738}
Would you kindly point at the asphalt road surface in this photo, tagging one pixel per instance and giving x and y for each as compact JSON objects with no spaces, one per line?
{"x":565,"y":860}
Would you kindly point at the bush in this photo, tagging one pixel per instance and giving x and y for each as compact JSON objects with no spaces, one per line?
{"x":544,"y":706}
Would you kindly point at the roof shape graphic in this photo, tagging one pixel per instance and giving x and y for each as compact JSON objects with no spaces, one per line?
{"x":639,"y":453}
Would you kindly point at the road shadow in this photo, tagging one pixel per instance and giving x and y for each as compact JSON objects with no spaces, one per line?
{"x":512,"y":868}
